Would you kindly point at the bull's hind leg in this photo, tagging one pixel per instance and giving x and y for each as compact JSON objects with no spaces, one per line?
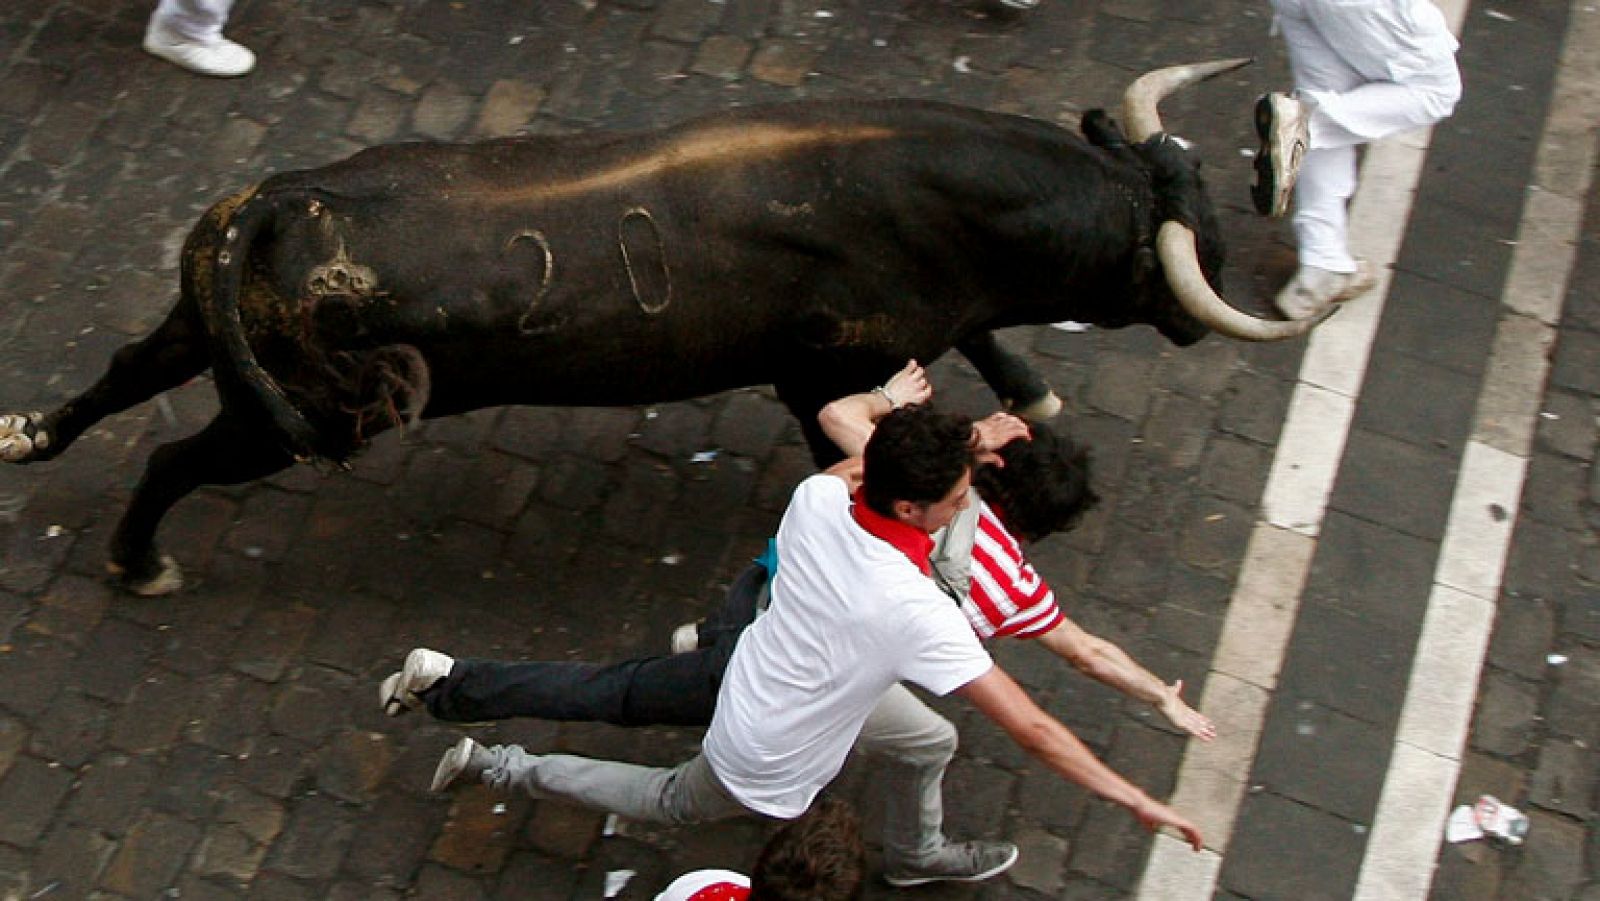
{"x":171,"y":355}
{"x":1019,"y":388}
{"x":225,"y":452}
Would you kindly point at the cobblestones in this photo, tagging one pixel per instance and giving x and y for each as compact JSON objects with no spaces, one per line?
{"x":29,"y":793}
{"x":508,"y":108}
{"x":222,"y":743}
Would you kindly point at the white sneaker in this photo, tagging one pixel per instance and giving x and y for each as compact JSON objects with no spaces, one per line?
{"x":1284,"y":125}
{"x":221,"y":58}
{"x":423,"y":668}
{"x":1314,"y":289}
{"x":465,"y":758}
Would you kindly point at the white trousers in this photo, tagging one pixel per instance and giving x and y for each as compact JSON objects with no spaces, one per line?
{"x":1370,"y":69}
{"x":195,"y":20}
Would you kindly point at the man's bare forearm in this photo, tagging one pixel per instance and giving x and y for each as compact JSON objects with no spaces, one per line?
{"x":1046,"y":739}
{"x":999,"y":697}
{"x":1104,"y":662}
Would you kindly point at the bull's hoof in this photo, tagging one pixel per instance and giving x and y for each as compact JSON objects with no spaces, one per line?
{"x":1040,"y":409}
{"x":21,"y":439}
{"x":168,"y":578}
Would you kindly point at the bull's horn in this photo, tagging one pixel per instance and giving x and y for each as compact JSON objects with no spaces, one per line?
{"x":1140,"y":118}
{"x":1175,"y":247}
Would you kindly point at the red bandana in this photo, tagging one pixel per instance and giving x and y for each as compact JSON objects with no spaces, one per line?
{"x":721,"y":891}
{"x":907,"y":539}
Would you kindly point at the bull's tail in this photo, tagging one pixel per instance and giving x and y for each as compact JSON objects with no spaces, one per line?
{"x":241,"y":379}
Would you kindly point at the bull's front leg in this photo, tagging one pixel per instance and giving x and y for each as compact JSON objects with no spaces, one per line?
{"x":225,"y":452}
{"x":1019,"y":388}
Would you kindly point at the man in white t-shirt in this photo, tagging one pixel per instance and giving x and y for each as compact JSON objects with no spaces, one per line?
{"x":853,"y":614}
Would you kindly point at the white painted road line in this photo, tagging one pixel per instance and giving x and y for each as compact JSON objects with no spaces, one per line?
{"x":1266,"y":599}
{"x":1404,"y":843}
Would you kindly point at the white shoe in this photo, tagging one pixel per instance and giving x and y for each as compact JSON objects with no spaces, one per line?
{"x":686,"y":638}
{"x":221,"y":58}
{"x":1283,"y":123}
{"x":1314,"y":289}
{"x":423,"y":669}
{"x":465,"y":758}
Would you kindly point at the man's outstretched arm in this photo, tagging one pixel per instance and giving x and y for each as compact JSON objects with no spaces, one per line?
{"x":1105,"y":662}
{"x":1003,"y":701}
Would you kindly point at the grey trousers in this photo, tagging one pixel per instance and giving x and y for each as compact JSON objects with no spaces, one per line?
{"x":913,"y":743}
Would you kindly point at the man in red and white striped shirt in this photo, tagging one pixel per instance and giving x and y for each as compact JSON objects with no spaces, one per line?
{"x":1035,"y":487}
{"x":1007,"y":597}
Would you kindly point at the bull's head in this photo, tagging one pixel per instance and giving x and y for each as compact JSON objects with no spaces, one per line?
{"x":1185,"y":260}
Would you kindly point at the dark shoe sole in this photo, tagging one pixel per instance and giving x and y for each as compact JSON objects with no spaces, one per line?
{"x":1277,"y":164}
{"x":1263,"y":192}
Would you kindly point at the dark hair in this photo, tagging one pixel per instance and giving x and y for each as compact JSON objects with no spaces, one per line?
{"x":1044,"y":486}
{"x":915,"y":454}
{"x":818,"y":857}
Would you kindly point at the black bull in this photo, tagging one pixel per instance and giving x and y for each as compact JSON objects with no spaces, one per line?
{"x":813,"y":246}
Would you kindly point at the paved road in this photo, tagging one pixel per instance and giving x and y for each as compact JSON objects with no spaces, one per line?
{"x":223,"y":742}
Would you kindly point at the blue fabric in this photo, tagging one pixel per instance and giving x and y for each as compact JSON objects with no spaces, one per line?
{"x":769,"y":558}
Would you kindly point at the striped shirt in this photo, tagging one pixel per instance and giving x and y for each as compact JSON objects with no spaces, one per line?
{"x":1007,"y":597}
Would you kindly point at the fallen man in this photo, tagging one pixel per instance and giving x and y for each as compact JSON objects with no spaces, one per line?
{"x":854,"y":613}
{"x":1043,"y":488}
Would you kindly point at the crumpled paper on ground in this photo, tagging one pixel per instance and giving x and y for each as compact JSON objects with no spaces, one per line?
{"x":1489,"y":816}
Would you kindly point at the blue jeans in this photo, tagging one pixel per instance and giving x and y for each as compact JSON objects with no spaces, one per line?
{"x":662,"y":690}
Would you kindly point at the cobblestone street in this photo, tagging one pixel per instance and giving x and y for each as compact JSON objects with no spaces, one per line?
{"x":225,"y":741}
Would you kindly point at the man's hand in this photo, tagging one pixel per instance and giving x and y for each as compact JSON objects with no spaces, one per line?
{"x":1153,"y":814}
{"x":1182,"y":715}
{"x":999,"y":697}
{"x":995,"y":431}
{"x":909,"y":386}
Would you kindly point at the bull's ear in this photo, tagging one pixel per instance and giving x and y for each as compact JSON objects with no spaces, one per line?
{"x":1101,"y":130}
{"x":1169,"y":150}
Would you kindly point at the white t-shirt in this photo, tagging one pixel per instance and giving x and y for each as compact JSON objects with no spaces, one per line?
{"x":851,"y":615}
